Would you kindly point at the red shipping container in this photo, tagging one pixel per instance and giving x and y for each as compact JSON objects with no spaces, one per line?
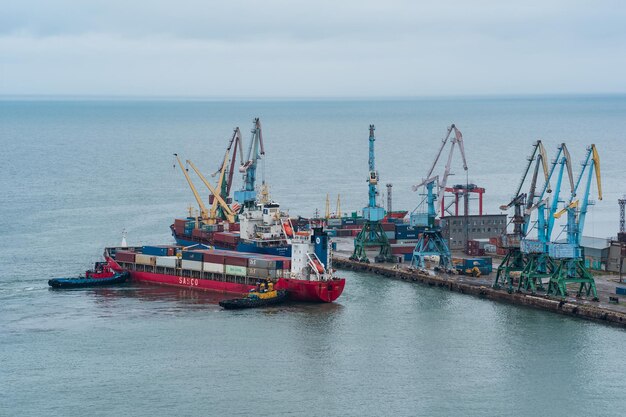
{"x":123,"y":256}
{"x":180,"y":223}
{"x":389,"y":227}
{"x":493,"y":240}
{"x":233,"y":227}
{"x":197,"y":232}
{"x":215,"y":258}
{"x":235,"y":260}
{"x":401,"y":250}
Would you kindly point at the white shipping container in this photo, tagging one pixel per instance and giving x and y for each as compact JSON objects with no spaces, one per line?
{"x":145,"y":259}
{"x":213,"y":267}
{"x":166,"y":261}
{"x":192,"y":265}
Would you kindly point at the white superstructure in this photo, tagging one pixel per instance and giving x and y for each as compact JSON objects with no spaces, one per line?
{"x":311,"y":256}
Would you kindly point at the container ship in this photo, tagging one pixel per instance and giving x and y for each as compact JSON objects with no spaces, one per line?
{"x":306,"y":275}
{"x":261,"y":229}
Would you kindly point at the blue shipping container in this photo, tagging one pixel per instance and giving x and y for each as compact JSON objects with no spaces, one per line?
{"x":192,"y":256}
{"x":620,"y":290}
{"x":154,"y":251}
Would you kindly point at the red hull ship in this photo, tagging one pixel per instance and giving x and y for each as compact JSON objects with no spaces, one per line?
{"x":306,"y":276}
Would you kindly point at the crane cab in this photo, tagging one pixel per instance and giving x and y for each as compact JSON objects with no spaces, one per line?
{"x":373,"y":177}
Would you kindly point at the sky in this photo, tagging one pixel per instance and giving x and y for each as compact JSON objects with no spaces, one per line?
{"x":321,"y":48}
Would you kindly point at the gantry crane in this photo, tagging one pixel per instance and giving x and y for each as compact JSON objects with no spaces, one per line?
{"x":431,"y":243}
{"x":247,"y":196}
{"x":372,"y":233}
{"x":515,"y":260}
{"x":569,"y":256}
{"x":538,"y":264}
{"x":204,"y":213}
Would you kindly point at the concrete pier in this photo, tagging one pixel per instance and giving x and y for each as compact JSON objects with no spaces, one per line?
{"x":481,"y":287}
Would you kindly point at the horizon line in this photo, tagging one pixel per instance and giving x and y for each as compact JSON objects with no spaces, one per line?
{"x":120,"y":97}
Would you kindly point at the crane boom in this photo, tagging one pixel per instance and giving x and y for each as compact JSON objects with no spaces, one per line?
{"x":220,"y":184}
{"x":229,"y":213}
{"x":203,"y":209}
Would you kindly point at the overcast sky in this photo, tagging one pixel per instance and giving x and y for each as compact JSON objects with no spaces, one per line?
{"x":317,"y":48}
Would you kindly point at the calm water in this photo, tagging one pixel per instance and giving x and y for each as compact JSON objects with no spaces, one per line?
{"x":74,"y":174}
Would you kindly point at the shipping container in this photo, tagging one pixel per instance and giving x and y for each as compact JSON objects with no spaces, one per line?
{"x":258,"y":262}
{"x":226,"y":237}
{"x":620,"y":290}
{"x":192,"y":265}
{"x":159,"y":250}
{"x":235,"y":260}
{"x":180,"y":222}
{"x":189,"y":255}
{"x":213,"y":267}
{"x":124,"y":256}
{"x":213,"y":257}
{"x":239,"y":271}
{"x":333,"y":222}
{"x":399,"y":249}
{"x":145,"y":259}
{"x":501,"y":251}
{"x":388,"y":227}
{"x":263,"y":273}
{"x":167,"y":261}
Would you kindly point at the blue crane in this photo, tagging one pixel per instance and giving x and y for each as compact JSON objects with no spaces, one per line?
{"x":372,"y":233}
{"x":247,"y":195}
{"x":569,"y":255}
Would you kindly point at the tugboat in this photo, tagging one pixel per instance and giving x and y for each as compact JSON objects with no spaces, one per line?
{"x":100,"y":275}
{"x":262,"y":295}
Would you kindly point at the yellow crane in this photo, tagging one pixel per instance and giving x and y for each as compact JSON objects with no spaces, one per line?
{"x":338,"y":212}
{"x":327,"y":214}
{"x":204,"y":213}
{"x":211,"y":219}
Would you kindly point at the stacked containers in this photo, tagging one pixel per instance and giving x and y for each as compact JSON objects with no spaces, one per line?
{"x":125,"y":256}
{"x":192,"y":260}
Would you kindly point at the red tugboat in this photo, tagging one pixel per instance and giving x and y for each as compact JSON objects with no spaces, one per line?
{"x":306,"y":276}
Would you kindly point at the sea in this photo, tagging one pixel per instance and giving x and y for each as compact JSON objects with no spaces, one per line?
{"x":75,"y":173}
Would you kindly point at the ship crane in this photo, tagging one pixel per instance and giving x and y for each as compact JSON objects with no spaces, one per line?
{"x":204,"y":213}
{"x":431,"y":243}
{"x":228,"y":212}
{"x":247,"y":195}
{"x":226,"y":171}
{"x":515,"y":260}
{"x":372,"y":233}
{"x":571,"y":267}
